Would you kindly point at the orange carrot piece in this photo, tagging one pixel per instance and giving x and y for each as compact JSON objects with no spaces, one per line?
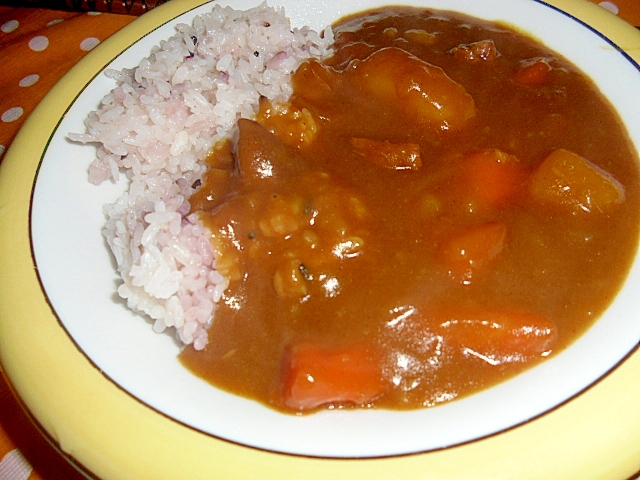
{"x":492,"y":176}
{"x":570,"y":181}
{"x":501,"y":337}
{"x":465,"y":253}
{"x":316,"y":376}
{"x":534,"y":73}
{"x":393,"y":156}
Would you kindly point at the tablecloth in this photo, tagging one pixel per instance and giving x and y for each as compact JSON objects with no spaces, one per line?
{"x":37,"y":47}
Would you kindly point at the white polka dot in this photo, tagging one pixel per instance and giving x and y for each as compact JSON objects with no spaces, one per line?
{"x":55,"y":22}
{"x":10,"y":26}
{"x":94,"y":14}
{"x":89,"y":43}
{"x":2,"y":150}
{"x":29,"y":80}
{"x":39,"y":43}
{"x":12,"y":114}
{"x":612,"y":7}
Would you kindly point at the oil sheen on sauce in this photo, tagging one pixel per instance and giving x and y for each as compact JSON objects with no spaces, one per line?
{"x":405,"y":207}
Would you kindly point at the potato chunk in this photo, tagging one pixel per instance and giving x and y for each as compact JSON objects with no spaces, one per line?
{"x":570,"y":181}
{"x":422,"y":90}
{"x":292,"y":126}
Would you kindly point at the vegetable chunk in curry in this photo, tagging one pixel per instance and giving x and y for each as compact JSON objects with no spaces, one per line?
{"x":441,"y":204}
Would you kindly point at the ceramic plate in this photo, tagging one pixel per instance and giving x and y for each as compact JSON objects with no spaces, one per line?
{"x":114,"y":398}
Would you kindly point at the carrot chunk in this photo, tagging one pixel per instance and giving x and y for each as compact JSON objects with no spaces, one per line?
{"x":393,"y":156}
{"x":465,"y":253}
{"x":315,"y":376}
{"x":501,"y":337}
{"x":422,"y":90}
{"x":572,"y":182}
{"x":534,"y":72}
{"x":492,"y":177}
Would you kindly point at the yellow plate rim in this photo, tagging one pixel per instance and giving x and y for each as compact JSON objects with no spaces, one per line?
{"x":112,"y":435}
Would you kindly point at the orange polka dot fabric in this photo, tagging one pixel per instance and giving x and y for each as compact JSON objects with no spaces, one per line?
{"x":37,"y":47}
{"x":628,"y":10}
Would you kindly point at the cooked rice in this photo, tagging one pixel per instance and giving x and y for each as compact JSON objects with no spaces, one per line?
{"x":158,"y":125}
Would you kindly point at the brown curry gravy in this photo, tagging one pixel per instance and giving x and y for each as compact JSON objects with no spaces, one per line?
{"x":334,"y":249}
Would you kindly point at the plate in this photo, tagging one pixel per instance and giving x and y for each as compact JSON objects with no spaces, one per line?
{"x":110,"y":408}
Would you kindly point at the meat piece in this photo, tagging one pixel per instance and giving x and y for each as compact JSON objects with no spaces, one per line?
{"x":261,"y":156}
{"x":482,"y":51}
{"x":393,"y":156}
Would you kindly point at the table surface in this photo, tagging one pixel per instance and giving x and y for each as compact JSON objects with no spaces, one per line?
{"x":37,"y":47}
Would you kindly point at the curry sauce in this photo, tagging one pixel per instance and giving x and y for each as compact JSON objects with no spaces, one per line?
{"x":441,"y":204}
